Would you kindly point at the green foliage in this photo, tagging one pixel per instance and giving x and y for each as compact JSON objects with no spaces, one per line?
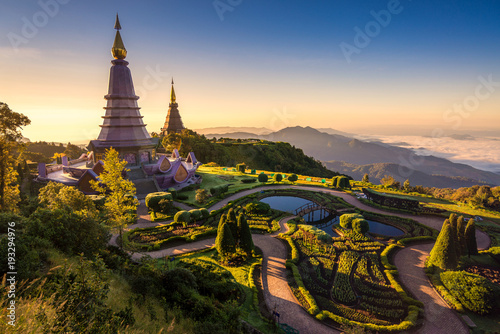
{"x":262,"y":155}
{"x":443,"y":253}
{"x":196,"y":215}
{"x":245,"y":236}
{"x":11,"y":124}
{"x":470,"y":237}
{"x":277,"y":177}
{"x":224,"y":243}
{"x":263,"y":178}
{"x":120,"y":200}
{"x":342,"y":290}
{"x":241,"y":168}
{"x":347,"y":219}
{"x":343,"y":182}
{"x":173,"y":192}
{"x":204,"y":213}
{"x":366,"y":178}
{"x":476,"y":293}
{"x":249,"y":180}
{"x":360,"y":226}
{"x":201,"y":195}
{"x":319,"y":234}
{"x":153,"y":200}
{"x":183,"y":217}
{"x":57,"y":196}
{"x":257,"y":207}
{"x":293,"y":178}
{"x":68,"y":231}
{"x":219,"y":190}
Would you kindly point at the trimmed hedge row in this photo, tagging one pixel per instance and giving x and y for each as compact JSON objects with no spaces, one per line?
{"x":409,"y":322}
{"x":313,"y":307}
{"x":443,"y":291}
{"x":384,"y":256}
{"x":391,"y":275}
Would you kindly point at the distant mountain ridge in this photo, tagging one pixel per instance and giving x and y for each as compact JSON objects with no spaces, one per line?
{"x":351,"y":156}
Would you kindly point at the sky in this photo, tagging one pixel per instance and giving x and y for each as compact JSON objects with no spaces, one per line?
{"x":375,"y":67}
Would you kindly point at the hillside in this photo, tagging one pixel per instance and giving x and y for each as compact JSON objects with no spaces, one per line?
{"x":351,"y":156}
{"x":258,"y":154}
{"x":379,"y":170}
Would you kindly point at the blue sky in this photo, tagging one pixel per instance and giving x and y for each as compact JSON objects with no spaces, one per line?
{"x":266,"y":64}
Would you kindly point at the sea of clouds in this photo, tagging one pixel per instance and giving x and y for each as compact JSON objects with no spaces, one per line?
{"x":479,"y":152}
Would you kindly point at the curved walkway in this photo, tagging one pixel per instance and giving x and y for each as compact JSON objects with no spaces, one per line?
{"x":439,"y":318}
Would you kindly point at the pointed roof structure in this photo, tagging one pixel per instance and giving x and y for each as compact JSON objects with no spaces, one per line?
{"x":122,"y":127}
{"x":173,"y":122}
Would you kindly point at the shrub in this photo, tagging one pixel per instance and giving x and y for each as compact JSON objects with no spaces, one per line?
{"x":219,"y":190}
{"x":153,"y":200}
{"x":347,"y":219}
{"x":174,"y":193}
{"x":204,"y":213}
{"x":476,"y":293}
{"x":293,"y":178}
{"x":246,"y":242}
{"x":319,"y":234}
{"x":257,"y":208}
{"x":249,"y":180}
{"x":182,"y":197}
{"x":343,"y":182}
{"x":360,"y":226}
{"x":277,"y":177}
{"x":241,"y":168}
{"x":201,"y":195}
{"x":98,"y":200}
{"x":195,"y":215}
{"x":263,"y":178}
{"x":183,"y":217}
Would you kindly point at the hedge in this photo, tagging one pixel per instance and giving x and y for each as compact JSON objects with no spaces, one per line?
{"x":153,"y":199}
{"x":313,"y":307}
{"x":409,"y":322}
{"x":407,"y":241}
{"x":391,"y":275}
{"x":384,"y":256}
{"x":447,"y":296}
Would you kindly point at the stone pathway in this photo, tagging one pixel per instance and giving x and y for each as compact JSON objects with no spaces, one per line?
{"x":439,"y":318}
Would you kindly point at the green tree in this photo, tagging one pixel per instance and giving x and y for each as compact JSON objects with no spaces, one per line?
{"x":245,"y":235}
{"x":343,"y":182}
{"x":172,"y":141}
{"x":224,"y":243}
{"x":470,"y":237}
{"x":277,"y":177}
{"x":57,"y":196}
{"x":366,"y":178}
{"x":201,"y":195}
{"x":454,"y":232}
{"x":120,"y":193}
{"x":263,"y":178}
{"x":360,"y":226}
{"x":407,"y":186}
{"x":73,"y":151}
{"x":443,"y":253}
{"x":388,"y":181}
{"x":11,"y":124}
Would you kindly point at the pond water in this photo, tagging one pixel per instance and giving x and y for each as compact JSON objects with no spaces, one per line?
{"x":379,"y":228}
{"x":285,"y":203}
{"x":290,"y":203}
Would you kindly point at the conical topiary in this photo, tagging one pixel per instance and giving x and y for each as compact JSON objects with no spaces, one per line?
{"x":443,"y":253}
{"x":246,"y":241}
{"x":461,"y":225}
{"x":224,"y":243}
{"x":454,"y":233}
{"x":470,"y":237}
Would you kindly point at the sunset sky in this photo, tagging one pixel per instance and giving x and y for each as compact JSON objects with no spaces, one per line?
{"x":411,"y":66}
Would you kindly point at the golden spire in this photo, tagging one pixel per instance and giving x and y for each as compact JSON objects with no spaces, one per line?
{"x":172,"y":93}
{"x":118,"y":50}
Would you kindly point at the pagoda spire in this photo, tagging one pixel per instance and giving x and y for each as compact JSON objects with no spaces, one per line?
{"x":172,"y":93}
{"x":118,"y":50}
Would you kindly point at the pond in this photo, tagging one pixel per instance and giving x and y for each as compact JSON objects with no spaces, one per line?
{"x":379,"y":228}
{"x":315,"y":218}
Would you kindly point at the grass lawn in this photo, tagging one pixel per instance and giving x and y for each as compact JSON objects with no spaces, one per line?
{"x":215,"y":176}
{"x":240,"y":275}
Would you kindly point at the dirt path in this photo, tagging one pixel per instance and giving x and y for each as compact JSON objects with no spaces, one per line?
{"x":439,"y":318}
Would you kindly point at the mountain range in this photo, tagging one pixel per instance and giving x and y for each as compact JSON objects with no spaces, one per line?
{"x":342,"y":153}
